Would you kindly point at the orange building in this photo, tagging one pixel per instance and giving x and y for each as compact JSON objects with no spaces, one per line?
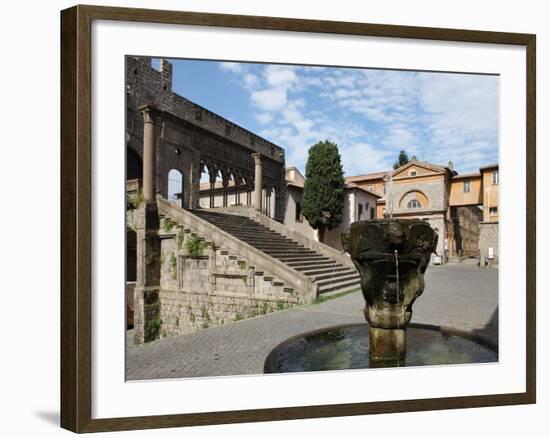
{"x":463,"y":209}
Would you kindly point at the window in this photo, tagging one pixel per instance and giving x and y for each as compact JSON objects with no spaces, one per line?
{"x":495,"y":177}
{"x":384,"y":189}
{"x":299,"y":216}
{"x":467,"y":186}
{"x":360,"y":211}
{"x":372,"y":212}
{"x":412,"y":173}
{"x":414,"y":203}
{"x":493,"y":211}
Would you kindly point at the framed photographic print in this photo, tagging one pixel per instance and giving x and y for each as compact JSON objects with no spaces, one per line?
{"x":268,"y":218}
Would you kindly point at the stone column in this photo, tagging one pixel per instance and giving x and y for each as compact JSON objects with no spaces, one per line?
{"x":258,"y":181}
{"x":149,"y":156}
{"x":213,"y":173}
{"x":225,"y":184}
{"x":146,"y":293}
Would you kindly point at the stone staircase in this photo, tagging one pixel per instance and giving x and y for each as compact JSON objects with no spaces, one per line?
{"x":462,"y":260}
{"x":330,"y":276}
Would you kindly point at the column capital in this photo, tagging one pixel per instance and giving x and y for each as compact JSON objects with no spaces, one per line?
{"x":257,"y":158}
{"x":149,"y":113}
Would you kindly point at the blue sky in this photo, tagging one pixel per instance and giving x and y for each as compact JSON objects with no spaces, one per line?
{"x":371,"y":114}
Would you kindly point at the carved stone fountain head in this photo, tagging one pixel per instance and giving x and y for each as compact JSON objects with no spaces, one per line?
{"x":391,"y":256}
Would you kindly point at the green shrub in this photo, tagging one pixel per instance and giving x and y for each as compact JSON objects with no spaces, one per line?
{"x":195,"y":246}
{"x":168,"y":224}
{"x":135,"y":200}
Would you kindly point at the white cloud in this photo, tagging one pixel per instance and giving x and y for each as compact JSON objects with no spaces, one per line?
{"x":263,"y":118}
{"x":280,"y":76}
{"x":233,"y":67}
{"x":270,"y":99}
{"x":360,"y":158}
{"x":250,"y":81}
{"x":342,"y":93}
{"x":436,"y":116}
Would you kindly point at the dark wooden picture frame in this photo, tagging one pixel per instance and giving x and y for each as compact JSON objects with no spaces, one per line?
{"x":76,"y":217}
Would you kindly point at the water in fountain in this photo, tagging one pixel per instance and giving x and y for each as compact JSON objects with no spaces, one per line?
{"x":347,"y":347}
{"x":380,"y":248}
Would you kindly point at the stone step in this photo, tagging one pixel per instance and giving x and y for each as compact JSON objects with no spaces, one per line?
{"x":324,"y":270}
{"x":267,"y":248}
{"x":267,"y":241}
{"x":282,"y":252}
{"x":252,"y":234}
{"x":333,"y":276}
{"x":305,"y":258}
{"x":301,"y":265}
{"x":470,"y":261}
{"x":339,"y":287}
{"x":351,"y":276}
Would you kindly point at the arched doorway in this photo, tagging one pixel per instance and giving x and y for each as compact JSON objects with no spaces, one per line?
{"x":175,"y":186}
{"x":133,"y":165}
{"x":131,"y":271}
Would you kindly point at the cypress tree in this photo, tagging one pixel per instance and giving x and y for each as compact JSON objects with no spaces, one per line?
{"x":401,"y":160}
{"x":323,"y":201}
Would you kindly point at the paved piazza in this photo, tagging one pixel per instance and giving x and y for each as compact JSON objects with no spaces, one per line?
{"x":462,"y":297}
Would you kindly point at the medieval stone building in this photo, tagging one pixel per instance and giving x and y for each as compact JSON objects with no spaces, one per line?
{"x":193,"y":264}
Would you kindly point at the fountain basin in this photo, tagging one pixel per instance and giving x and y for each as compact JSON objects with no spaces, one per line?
{"x":347,"y":347}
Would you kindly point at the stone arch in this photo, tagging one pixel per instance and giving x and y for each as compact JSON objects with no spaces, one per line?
{"x":175,"y":186}
{"x":131,"y":254}
{"x":412,"y":195}
{"x":268,"y":200}
{"x":238,"y":188}
{"x":249,"y":182}
{"x":134,"y":167}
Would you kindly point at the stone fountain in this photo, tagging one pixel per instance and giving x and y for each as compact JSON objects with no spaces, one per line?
{"x":391,"y":256}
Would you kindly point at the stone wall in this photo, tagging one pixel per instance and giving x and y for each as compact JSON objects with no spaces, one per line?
{"x":206,"y":289}
{"x":435,"y":191}
{"x":465,"y":231}
{"x":488,"y":238}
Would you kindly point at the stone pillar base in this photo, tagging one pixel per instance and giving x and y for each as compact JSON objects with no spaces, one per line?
{"x":387,"y":347}
{"x":147,"y":321}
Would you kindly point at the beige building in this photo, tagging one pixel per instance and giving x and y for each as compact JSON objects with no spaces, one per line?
{"x":294,"y":219}
{"x":359,"y":204}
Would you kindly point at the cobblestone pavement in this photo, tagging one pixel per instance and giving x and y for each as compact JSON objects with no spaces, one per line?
{"x":462,"y":297}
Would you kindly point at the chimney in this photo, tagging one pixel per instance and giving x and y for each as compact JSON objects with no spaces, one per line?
{"x":450,"y":165}
{"x":413,"y":158}
{"x":166,"y":73}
